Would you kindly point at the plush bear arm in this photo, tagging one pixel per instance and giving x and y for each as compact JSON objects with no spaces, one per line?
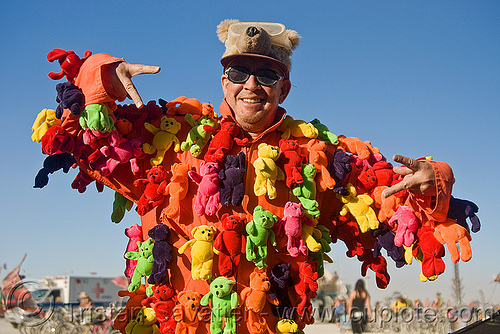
{"x":367,"y":199}
{"x":206,"y":298}
{"x":132,"y":255}
{"x":241,"y":142}
{"x":188,"y":244}
{"x":151,"y":128}
{"x":234,"y":300}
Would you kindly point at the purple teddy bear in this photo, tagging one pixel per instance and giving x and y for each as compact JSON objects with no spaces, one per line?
{"x":340,"y":167}
{"x":232,"y":177}
{"x":69,"y":97}
{"x":280,"y":279}
{"x":385,"y":239}
{"x":162,"y":253}
{"x":461,"y":209}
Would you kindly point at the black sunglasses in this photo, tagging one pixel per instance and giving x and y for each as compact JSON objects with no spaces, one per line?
{"x":264,"y":77}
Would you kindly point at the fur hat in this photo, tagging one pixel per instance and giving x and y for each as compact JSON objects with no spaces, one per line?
{"x":258,"y":39}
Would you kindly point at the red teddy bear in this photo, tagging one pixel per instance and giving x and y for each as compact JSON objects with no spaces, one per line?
{"x":306,"y":288}
{"x":154,"y":193}
{"x":378,"y":265}
{"x":292,"y":161}
{"x":230,"y":243}
{"x":223,"y":141}
{"x":432,"y":252}
{"x":163,"y":302}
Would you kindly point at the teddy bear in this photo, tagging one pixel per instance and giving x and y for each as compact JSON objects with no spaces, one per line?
{"x":82,"y":180}
{"x":339,"y":169}
{"x":291,"y":160}
{"x":460,"y":210}
{"x":359,"y":207}
{"x":259,"y":231}
{"x":387,"y":205}
{"x":207,"y":196}
{"x":318,"y":242}
{"x":163,"y":301}
{"x":306,"y":289}
{"x":306,"y":191}
{"x":318,"y":158}
{"x":451,"y":233}
{"x":380,"y":174}
{"x":430,"y":252}
{"x":287,"y":326}
{"x":90,"y":142}
{"x":120,"y":205}
{"x":69,"y":97}
{"x":68,"y":60}
{"x":187,"y":313}
{"x":347,"y":230}
{"x":199,"y":134}
{"x":97,"y":117}
{"x":163,"y":138}
{"x":407,"y":226}
{"x":323,"y":133}
{"x":144,"y":323}
{"x":144,"y":257}
{"x":134,"y":233}
{"x":385,"y":239}
{"x":52,"y":164}
{"x":223,"y":140}
{"x":182,"y":106}
{"x":355,"y":146}
{"x":254,"y":298}
{"x":230,"y":244}
{"x":266,"y":171}
{"x":223,"y":302}
{"x":202,"y":252}
{"x":131,"y":309}
{"x":281,"y":279}
{"x":162,"y":253}
{"x":127,"y":152}
{"x":291,"y":223}
{"x":57,"y":140}
{"x":177,"y":189}
{"x":378,"y":265}
{"x":297,"y":128}
{"x":233,"y":176}
{"x":44,"y":120}
{"x":154,"y":192}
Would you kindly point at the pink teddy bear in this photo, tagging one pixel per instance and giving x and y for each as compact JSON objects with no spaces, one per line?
{"x":128,"y":151}
{"x":293,"y":218}
{"x":407,"y":226}
{"x":207,"y":196}
{"x":135,"y":234}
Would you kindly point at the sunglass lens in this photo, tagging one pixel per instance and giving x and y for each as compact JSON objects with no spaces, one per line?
{"x":237,"y":75}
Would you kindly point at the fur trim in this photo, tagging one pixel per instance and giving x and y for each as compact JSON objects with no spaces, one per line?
{"x":223,"y":28}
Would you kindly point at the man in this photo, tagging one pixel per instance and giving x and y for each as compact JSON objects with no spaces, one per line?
{"x":255,"y":81}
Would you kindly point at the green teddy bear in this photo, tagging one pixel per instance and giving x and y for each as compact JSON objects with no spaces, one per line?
{"x":325,"y":240}
{"x":97,"y":117}
{"x":324,"y":134}
{"x":120,"y":205}
{"x":199,"y":135}
{"x":258,"y":231}
{"x":224,"y":301}
{"x":144,"y":266}
{"x":306,"y":192}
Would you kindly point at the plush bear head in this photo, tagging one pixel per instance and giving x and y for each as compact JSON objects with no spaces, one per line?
{"x":259,"y":280}
{"x":308,"y":171}
{"x":146,"y":248}
{"x":157,"y":174}
{"x":57,"y":140}
{"x":233,"y":222}
{"x":159,"y":232}
{"x":230,"y":128}
{"x":281,"y":272}
{"x":189,"y":299}
{"x":146,"y":317}
{"x":221,"y":286}
{"x":286,"y":326}
{"x":268,"y":151}
{"x":293,"y":209}
{"x":308,"y":269}
{"x":380,"y":174}
{"x":179,"y":170}
{"x":169,"y":124}
{"x":263,"y":217}
{"x":204,"y":233}
{"x":207,"y":120}
{"x":235,"y":161}
{"x":69,"y":97}
{"x":124,"y":126}
{"x":288,"y":145}
{"x":207,"y":168}
{"x":163,"y":292}
{"x":351,"y":194}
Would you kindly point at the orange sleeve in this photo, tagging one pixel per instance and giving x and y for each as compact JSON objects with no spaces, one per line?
{"x":89,"y":80}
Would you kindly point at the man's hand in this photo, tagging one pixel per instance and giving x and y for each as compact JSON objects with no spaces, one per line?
{"x":117,"y":79}
{"x":418,"y":175}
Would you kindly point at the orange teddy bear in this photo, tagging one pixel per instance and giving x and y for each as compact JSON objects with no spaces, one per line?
{"x":177,"y":189}
{"x":317,"y":157}
{"x":254,"y":298}
{"x":451,"y":233}
{"x":356,"y":146}
{"x":187,"y":313}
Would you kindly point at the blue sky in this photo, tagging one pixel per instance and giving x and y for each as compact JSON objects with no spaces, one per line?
{"x":415,"y":78}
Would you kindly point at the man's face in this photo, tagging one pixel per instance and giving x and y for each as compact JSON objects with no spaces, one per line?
{"x":254,"y":105}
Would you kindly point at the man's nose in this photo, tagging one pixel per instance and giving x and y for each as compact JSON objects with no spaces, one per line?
{"x":251,"y":83}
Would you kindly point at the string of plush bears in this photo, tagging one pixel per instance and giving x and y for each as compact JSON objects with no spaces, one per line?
{"x":354,"y":171}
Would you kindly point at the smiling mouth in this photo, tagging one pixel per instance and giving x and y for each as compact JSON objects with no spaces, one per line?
{"x":252,"y":100}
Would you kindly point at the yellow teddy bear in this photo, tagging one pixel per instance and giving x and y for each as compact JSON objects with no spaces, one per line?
{"x":202,"y":251}
{"x":297,"y":128}
{"x":286,"y":326}
{"x":267,"y":171}
{"x":163,"y":139}
{"x":44,"y":120}
{"x":144,"y":323}
{"x":359,"y":207}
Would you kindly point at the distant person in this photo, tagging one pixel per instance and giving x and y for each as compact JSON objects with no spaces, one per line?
{"x":358,"y":306}
{"x":438,"y":302}
{"x":85,"y":301}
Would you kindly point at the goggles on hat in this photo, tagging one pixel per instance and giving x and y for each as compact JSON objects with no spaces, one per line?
{"x":264,"y":77}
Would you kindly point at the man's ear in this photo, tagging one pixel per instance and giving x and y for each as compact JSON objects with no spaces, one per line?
{"x":286,"y":85}
{"x":224,"y":81}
